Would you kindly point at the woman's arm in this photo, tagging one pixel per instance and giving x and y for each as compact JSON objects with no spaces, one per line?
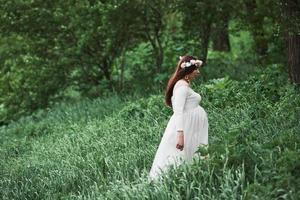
{"x":180,"y":95}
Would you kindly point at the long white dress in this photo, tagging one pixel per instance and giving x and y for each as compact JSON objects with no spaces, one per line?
{"x":188,"y":116}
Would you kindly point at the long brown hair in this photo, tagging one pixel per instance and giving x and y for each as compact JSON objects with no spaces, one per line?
{"x":177,"y":75}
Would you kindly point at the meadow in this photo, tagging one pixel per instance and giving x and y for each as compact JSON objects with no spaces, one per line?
{"x":103,"y":148}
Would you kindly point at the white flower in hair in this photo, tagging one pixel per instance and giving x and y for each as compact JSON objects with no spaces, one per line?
{"x":198,"y":63}
{"x":192,"y":62}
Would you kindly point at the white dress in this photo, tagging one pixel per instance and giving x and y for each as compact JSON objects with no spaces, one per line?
{"x":188,"y":116}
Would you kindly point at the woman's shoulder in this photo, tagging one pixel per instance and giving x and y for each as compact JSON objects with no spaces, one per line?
{"x":181,"y":83}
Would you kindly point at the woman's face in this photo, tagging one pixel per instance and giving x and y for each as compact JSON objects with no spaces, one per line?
{"x":195,"y":73}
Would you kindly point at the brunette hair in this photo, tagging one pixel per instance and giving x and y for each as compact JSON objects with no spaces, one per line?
{"x":177,"y":75}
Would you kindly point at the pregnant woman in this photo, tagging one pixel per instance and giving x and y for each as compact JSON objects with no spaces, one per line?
{"x":187,"y":128}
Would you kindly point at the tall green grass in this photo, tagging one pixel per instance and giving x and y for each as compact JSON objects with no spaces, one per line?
{"x":103,"y":149}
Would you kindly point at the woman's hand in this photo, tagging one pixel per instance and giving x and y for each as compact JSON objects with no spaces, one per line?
{"x":180,"y":142}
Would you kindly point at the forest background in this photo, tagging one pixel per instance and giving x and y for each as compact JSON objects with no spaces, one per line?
{"x":82,"y":97}
{"x":55,"y":50}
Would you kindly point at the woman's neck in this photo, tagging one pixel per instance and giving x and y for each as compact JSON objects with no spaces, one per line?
{"x":188,"y":81}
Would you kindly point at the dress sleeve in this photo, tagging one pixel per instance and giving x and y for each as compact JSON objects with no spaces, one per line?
{"x":180,"y":95}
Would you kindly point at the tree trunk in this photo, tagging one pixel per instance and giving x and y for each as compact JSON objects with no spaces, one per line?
{"x":159,"y":56}
{"x":106,"y":70}
{"x":221,"y":36}
{"x":290,"y":25}
{"x":293,"y":51}
{"x":204,"y":40}
{"x":122,"y":67}
{"x":157,"y":50}
{"x":256,"y":27}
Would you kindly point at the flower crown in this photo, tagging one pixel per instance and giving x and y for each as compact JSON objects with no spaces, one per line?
{"x":198,"y":63}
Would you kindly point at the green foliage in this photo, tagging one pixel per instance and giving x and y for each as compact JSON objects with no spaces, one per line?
{"x":139,"y":68}
{"x":51,"y":49}
{"x":53,"y":52}
{"x":27,"y":81}
{"x":52,"y":46}
{"x":104,"y":148}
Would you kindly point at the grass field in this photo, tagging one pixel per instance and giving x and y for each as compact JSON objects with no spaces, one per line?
{"x":104,"y":148}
